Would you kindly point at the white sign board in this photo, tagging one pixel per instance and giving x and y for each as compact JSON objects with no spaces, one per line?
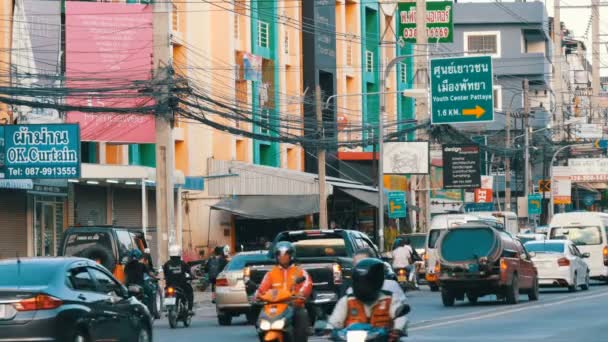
{"x":588,"y":131}
{"x":588,"y":169}
{"x":561,"y":185}
{"x":487,"y":182}
{"x":410,"y":157}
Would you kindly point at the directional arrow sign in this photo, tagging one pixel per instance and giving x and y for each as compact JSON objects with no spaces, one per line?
{"x":534,"y":204}
{"x":396,"y":204}
{"x":462,"y":90}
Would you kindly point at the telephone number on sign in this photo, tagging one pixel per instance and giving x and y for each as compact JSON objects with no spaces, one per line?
{"x":51,"y":171}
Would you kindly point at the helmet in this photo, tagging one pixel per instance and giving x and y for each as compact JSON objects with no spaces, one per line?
{"x":368,"y":277}
{"x":226,"y":250}
{"x":284,"y":247}
{"x":147,"y":250}
{"x":175,"y":251}
{"x":135,"y":254}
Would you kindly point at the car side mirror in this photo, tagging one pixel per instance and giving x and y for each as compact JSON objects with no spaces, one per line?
{"x":586,"y":255}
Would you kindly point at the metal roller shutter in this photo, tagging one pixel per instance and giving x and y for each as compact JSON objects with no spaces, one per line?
{"x":127,"y":207}
{"x":13,"y":223}
{"x":90,"y":205}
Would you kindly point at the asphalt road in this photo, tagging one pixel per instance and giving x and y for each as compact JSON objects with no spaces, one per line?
{"x":557,"y":316}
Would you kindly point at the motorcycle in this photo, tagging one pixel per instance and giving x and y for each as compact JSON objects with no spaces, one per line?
{"x":403,"y":278}
{"x":150,"y":295}
{"x":275,"y":322}
{"x":176,"y":306}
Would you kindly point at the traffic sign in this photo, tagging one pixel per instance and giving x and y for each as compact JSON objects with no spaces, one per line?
{"x":544,"y":185}
{"x":462,"y":90}
{"x":397,"y":207}
{"x":601,"y":144}
{"x":534,"y":204}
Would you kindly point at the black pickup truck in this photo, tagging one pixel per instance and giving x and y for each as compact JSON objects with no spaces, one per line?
{"x":327,"y":256}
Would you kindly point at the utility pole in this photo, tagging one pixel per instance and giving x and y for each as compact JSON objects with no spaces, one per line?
{"x":508,"y":164}
{"x":557,"y":67}
{"x":595,"y":60}
{"x":422,"y":113}
{"x":321,"y":163}
{"x":526,"y":90}
{"x":165,"y":215}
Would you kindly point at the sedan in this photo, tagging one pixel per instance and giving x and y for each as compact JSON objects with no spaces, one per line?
{"x":230,"y":291}
{"x":67,"y":299}
{"x":559,"y":263}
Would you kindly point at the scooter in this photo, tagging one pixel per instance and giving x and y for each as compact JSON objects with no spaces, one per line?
{"x":275,"y":322}
{"x":403,"y":278}
{"x":176,"y":306}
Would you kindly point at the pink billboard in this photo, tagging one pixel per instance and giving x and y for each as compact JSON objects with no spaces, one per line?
{"x":109,"y":45}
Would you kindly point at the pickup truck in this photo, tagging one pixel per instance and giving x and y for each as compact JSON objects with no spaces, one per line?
{"x":327,"y":256}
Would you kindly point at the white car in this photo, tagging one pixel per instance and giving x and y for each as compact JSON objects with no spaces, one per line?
{"x":559,"y":263}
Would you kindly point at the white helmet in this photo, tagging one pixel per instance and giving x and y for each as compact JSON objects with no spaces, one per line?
{"x":226,"y":250}
{"x":175,"y":251}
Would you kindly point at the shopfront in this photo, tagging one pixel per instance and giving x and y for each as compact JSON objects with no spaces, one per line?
{"x":13,"y":218}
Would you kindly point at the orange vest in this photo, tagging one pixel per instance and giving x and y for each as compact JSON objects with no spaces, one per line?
{"x":281,"y":278}
{"x":380,"y":317}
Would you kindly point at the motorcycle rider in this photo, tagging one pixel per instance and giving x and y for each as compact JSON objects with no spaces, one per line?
{"x":135,"y":269}
{"x":175,"y":271}
{"x":369,"y":304}
{"x":284,"y":275}
{"x":389,"y":284}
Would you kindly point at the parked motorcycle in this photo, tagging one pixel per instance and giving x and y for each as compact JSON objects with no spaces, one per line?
{"x":176,"y":306}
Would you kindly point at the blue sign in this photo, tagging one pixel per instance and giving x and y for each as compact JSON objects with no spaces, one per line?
{"x":588,"y":200}
{"x":397,"y":207}
{"x":474,"y":207}
{"x":42,"y":151}
{"x":535,"y":204}
{"x":603,"y":144}
{"x":1,"y":149}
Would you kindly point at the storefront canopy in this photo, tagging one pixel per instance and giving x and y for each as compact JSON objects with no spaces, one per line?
{"x":266,"y":207}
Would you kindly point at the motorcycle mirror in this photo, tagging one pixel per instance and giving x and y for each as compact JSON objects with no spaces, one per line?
{"x":300,"y":280}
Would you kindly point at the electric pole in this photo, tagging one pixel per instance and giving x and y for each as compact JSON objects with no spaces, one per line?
{"x":165,"y":215}
{"x":557,"y":67}
{"x":421,"y":65}
{"x":508,"y":164}
{"x":526,"y":89}
{"x":595,"y":60}
{"x":321,"y":163}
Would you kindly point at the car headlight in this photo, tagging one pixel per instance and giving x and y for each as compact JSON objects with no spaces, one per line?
{"x":264,"y":325}
{"x":278,"y":325}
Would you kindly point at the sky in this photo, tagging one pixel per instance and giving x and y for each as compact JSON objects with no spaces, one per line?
{"x":576,"y":20}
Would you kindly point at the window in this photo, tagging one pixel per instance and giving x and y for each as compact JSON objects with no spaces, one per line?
{"x":175,"y":17}
{"x":264,"y":121}
{"x":369,"y":61}
{"x":80,"y":279}
{"x":125,"y":242}
{"x":544,"y":247}
{"x":107,"y":285}
{"x":581,"y":236}
{"x":263,"y":31}
{"x":402,"y":73}
{"x":331,"y":247}
{"x":79,"y":242}
{"x":433,"y":237}
{"x":286,"y":43}
{"x":497,"y":93}
{"x":482,"y":43}
{"x":237,"y":25}
{"x":349,"y":54}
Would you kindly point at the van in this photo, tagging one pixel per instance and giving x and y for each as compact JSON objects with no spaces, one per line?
{"x":439,"y":224}
{"x":588,"y":231}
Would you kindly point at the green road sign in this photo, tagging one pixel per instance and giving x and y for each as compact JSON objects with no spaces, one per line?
{"x":396,"y":204}
{"x":439,"y":23}
{"x":534,"y":204}
{"x":461,"y":90}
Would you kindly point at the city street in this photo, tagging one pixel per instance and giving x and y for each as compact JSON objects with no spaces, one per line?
{"x":557,"y":316}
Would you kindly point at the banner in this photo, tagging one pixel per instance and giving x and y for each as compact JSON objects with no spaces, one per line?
{"x":561,"y":185}
{"x":252,"y":67}
{"x":110,"y":45}
{"x":439,"y":22}
{"x":461,"y":167}
{"x":35,"y":57}
{"x":588,"y":169}
{"x":42,"y":151}
{"x":406,"y":158}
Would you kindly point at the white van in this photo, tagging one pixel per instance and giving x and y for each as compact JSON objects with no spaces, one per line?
{"x":588,"y":231}
{"x":439,"y":224}
{"x":507,"y":218}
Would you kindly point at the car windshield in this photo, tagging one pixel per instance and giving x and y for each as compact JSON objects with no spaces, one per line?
{"x":238,"y":262}
{"x":467,"y":244}
{"x":78,"y":242}
{"x":27,"y":274}
{"x":548,"y":247}
{"x":581,"y":236}
{"x":320,"y":247}
{"x":525,"y":239}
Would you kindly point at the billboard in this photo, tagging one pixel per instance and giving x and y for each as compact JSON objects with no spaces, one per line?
{"x":36,"y":56}
{"x":42,"y":151}
{"x":410,"y":157}
{"x":588,"y":169}
{"x":561,"y":185}
{"x":109,"y":45}
{"x":461,"y":166}
{"x":439,"y":22}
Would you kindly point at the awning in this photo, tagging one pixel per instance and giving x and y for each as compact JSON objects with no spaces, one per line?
{"x":368,"y":197}
{"x":266,"y":207}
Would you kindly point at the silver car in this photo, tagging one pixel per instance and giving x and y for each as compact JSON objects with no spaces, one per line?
{"x":230,"y":295}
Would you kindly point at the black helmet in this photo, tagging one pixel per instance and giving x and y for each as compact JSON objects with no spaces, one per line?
{"x":284,"y":247}
{"x":368,"y":277}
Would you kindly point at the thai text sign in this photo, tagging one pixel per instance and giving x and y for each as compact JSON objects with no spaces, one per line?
{"x":439,"y":23}
{"x":462,"y":90}
{"x":588,"y":169}
{"x":42,"y":151}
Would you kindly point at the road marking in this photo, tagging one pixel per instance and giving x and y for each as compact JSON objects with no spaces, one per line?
{"x":507,"y":311}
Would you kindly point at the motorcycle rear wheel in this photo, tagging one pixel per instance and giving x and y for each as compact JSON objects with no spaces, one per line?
{"x":172,"y":315}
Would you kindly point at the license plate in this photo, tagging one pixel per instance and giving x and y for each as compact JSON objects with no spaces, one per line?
{"x":3,"y":311}
{"x":169,"y":301}
{"x":401,"y":279}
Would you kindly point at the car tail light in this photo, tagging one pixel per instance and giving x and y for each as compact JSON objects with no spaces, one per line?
{"x":503,"y":265}
{"x":563,"y":262}
{"x":221,"y":282}
{"x":39,"y":302}
{"x":605,"y":253}
{"x":337,"y":274}
{"x":437,"y":267}
{"x":246,"y":273}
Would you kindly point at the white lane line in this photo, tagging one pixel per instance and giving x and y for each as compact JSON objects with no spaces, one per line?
{"x":509,"y":311}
